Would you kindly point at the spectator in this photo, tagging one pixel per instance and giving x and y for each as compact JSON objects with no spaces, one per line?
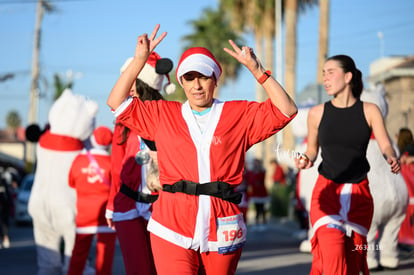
{"x":6,"y":204}
{"x":405,"y":144}
{"x":278,"y":177}
{"x":258,"y":194}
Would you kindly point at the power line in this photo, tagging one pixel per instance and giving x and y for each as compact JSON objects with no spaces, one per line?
{"x":3,"y":2}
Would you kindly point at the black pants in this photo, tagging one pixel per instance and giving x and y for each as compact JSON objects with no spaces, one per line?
{"x":260,"y":212}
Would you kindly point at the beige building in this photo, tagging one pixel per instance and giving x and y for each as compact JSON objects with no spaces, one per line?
{"x":397,"y":75}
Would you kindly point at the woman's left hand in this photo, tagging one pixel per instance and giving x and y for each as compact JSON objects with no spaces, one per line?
{"x":245,"y":56}
{"x":145,"y":45}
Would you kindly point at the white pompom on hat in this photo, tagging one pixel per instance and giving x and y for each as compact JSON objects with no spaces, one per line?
{"x":198,"y":59}
{"x":101,"y":137}
{"x":154,"y":71}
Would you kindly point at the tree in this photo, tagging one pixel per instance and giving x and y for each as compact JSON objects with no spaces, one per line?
{"x":291,"y":11}
{"x":212,"y":30}
{"x":323,"y":37}
{"x":13,"y":121}
{"x":259,"y":16}
{"x":60,"y":85}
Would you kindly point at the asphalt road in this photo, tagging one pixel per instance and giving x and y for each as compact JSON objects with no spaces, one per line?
{"x":273,"y":250}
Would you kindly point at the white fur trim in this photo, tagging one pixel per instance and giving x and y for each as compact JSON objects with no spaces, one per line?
{"x":341,"y":220}
{"x":167,"y":234}
{"x":96,"y":145}
{"x":109,"y":214}
{"x":169,"y":88}
{"x":150,"y":77}
{"x":200,"y":63}
{"x":121,"y":108}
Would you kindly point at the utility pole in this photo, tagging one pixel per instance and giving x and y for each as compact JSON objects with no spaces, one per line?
{"x":279,"y":51}
{"x":34,"y":85}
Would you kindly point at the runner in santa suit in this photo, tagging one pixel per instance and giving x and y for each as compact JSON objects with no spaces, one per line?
{"x":342,"y":205}
{"x":90,"y":176}
{"x":201,"y":148}
{"x":131,"y":165}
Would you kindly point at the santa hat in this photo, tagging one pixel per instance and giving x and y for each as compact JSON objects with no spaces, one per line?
{"x":198,"y":59}
{"x":154,"y":71}
{"x":101,"y":137}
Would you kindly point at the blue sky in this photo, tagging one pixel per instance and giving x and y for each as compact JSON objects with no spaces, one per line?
{"x":93,"y":38}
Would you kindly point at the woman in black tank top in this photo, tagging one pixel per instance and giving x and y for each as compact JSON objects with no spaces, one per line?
{"x":341,"y":205}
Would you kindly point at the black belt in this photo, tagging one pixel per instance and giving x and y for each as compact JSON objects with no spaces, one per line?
{"x":137,"y":196}
{"x":218,"y":189}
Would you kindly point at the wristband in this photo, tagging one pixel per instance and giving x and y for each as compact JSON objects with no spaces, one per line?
{"x":264,"y":77}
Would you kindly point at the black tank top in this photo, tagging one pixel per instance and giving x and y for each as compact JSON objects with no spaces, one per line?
{"x":343,"y":137}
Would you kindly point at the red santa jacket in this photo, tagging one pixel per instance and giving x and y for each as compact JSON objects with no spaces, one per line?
{"x":125,"y":170}
{"x":92,"y":188}
{"x":216,"y":154}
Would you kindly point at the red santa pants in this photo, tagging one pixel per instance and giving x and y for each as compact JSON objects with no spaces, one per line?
{"x":333,"y":204}
{"x":171,"y":259}
{"x":135,"y":246}
{"x":105,"y":250}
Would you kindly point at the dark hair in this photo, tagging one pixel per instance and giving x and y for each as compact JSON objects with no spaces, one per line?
{"x":405,"y":137}
{"x":348,"y":65}
{"x":145,"y":92}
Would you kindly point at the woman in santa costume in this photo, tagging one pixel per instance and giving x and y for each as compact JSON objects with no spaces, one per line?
{"x":133,"y":179}
{"x":341,"y":205}
{"x":90,"y":176}
{"x":201,"y":146}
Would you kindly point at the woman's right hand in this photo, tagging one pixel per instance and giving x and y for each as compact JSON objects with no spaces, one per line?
{"x":146,"y":45}
{"x":303,"y":162}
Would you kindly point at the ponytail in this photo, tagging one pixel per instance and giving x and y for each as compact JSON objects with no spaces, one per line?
{"x":348,"y":65}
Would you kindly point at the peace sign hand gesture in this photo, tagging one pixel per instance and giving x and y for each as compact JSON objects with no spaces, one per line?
{"x":246,"y":56}
{"x":146,"y":45}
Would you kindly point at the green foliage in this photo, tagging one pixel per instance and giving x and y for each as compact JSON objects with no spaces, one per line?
{"x":280,"y":199}
{"x":179,"y":94}
{"x":60,"y":86}
{"x":13,"y":120}
{"x":212,"y":31}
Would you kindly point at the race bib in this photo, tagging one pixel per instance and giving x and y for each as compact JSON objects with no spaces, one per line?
{"x":231,"y":233}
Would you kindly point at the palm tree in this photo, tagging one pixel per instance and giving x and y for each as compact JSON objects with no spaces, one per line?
{"x":291,"y":10}
{"x":13,"y":122}
{"x":60,"y":85}
{"x":213,"y":31}
{"x":259,"y":16}
{"x":323,"y":37}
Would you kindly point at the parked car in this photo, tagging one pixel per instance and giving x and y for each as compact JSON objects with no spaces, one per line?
{"x":23,"y":193}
